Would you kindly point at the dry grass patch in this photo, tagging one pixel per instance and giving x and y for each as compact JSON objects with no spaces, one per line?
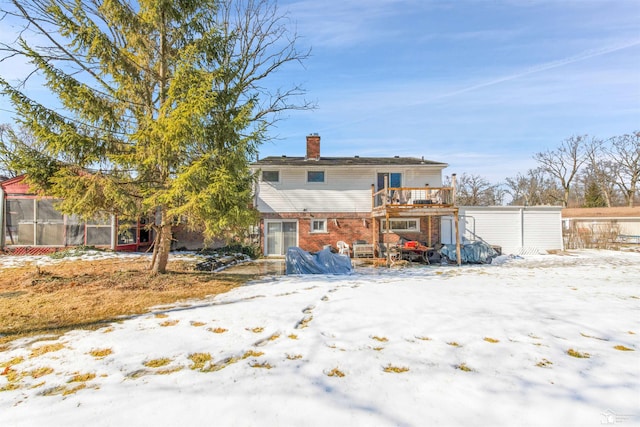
{"x":264,"y":365}
{"x":335,"y":372}
{"x":63,"y":390}
{"x":256,"y":330}
{"x":168,"y":371}
{"x":157,"y":363}
{"x":304,"y":322}
{"x":395,"y":369}
{"x":454,"y":344}
{"x":170,"y":323}
{"x":217,"y":330}
{"x":82,"y":378}
{"x":87,"y":294}
{"x":575,"y":353}
{"x":101,"y":353}
{"x":293,"y":356}
{"x":464,"y":367}
{"x":13,"y":375}
{"x":199,"y":360}
{"x":49,"y":348}
{"x":292,"y":336}
{"x":381,"y":339}
{"x":161,"y":315}
{"x":197,"y":324}
{"x":491,"y":340}
{"x":40,"y":372}
{"x":544,"y":363}
{"x":15,"y":361}
{"x":252,"y":353}
{"x":423,"y":338}
{"x":623,"y":348}
{"x":378,"y":348}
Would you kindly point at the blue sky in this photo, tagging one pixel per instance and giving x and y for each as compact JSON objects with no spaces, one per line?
{"x":479,"y":84}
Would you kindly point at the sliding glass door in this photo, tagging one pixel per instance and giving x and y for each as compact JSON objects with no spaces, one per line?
{"x":280,"y":235}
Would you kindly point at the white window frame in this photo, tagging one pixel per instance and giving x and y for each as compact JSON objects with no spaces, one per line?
{"x":324,"y":176}
{"x":264,"y":180}
{"x":324,"y":226}
{"x":416,"y":229}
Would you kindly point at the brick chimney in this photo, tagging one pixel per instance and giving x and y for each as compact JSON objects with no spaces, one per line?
{"x":313,"y":146}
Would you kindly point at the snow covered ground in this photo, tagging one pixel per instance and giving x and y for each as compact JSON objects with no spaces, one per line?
{"x":431,"y":345}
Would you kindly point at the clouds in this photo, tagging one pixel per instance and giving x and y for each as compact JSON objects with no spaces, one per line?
{"x":491,"y":82}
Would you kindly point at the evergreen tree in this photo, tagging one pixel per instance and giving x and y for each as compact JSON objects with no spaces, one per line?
{"x":161,"y":106}
{"x":593,"y":196}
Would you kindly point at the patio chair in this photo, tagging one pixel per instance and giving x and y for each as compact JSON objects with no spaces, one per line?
{"x":343,"y":248}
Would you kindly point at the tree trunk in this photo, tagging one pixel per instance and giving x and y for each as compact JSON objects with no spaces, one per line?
{"x":163,"y":245}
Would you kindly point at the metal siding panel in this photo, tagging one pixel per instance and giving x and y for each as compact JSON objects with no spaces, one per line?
{"x":497,"y":227}
{"x":518,"y":229}
{"x":542,"y":229}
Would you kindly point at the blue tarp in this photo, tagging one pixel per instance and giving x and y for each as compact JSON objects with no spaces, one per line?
{"x":324,"y":262}
{"x":473,"y":253}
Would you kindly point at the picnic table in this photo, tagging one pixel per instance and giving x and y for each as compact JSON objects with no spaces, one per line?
{"x":411,"y":251}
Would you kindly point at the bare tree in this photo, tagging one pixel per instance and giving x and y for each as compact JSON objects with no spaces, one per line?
{"x":474,"y":190}
{"x":564,"y":162}
{"x":534,"y":188}
{"x":625,"y":153}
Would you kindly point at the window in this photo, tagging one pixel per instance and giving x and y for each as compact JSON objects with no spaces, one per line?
{"x":398,"y":224}
{"x":394,"y":180}
{"x":315,"y":176}
{"x":318,"y":225}
{"x":271,"y":176}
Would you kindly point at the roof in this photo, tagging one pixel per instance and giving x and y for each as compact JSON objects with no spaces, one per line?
{"x":346,"y":161}
{"x":16,"y":185}
{"x":604,"y":213}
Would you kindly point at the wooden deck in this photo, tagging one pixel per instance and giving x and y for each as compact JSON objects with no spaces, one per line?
{"x":413,"y":201}
{"x":399,"y":202}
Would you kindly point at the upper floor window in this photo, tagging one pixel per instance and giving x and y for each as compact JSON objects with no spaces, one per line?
{"x":394,"y":179}
{"x":271,"y":176}
{"x":315,"y":176}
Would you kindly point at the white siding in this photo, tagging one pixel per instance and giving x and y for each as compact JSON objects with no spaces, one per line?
{"x":346,"y":189}
{"x":501,"y":228}
{"x":516,"y":229}
{"x":542,"y":228}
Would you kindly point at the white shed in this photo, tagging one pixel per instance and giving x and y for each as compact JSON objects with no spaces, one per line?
{"x":515,"y":229}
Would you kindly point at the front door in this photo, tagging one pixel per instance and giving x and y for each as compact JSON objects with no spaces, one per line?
{"x":280,"y":236}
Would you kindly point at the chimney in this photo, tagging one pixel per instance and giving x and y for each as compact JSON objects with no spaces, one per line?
{"x":313,"y":146}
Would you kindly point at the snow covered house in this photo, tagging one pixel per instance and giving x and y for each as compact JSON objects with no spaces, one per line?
{"x":312,"y":201}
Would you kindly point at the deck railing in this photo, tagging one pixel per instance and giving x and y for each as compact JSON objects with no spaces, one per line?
{"x":423,"y":197}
